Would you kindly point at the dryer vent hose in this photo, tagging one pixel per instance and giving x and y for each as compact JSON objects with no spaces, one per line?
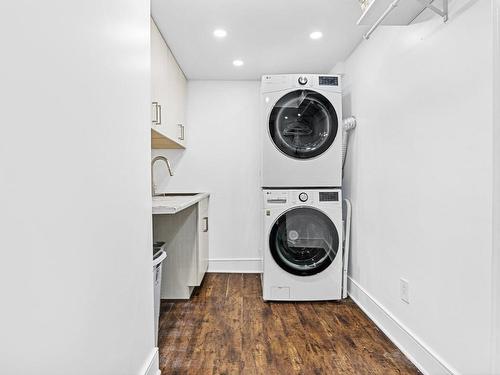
{"x":349,"y":124}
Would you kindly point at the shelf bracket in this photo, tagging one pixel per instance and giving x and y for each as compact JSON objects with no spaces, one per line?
{"x":384,"y":15}
{"x":427,"y":3}
{"x":441,"y":12}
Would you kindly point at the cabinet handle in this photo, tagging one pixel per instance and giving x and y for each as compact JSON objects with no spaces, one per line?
{"x":155,"y":112}
{"x":158,"y":106}
{"x":205,"y":220}
{"x":182,"y":132}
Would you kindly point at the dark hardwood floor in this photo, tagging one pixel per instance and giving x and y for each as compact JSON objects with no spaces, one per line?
{"x":226,"y":328}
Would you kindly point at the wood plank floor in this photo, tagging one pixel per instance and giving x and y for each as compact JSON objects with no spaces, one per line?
{"x":226,"y":328}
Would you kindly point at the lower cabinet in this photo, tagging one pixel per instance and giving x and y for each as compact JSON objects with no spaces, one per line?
{"x":203,"y":226}
{"x":186,"y":236}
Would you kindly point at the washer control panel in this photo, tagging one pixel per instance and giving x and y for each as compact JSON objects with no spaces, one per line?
{"x":326,"y":197}
{"x":302,"y":80}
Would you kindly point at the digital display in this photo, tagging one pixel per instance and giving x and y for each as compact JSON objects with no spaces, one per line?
{"x":328,"y":196}
{"x":328,"y":81}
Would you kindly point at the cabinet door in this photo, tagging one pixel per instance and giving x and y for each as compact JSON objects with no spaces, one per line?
{"x":181,"y":105}
{"x":176,"y":100}
{"x":203,"y":232}
{"x":159,"y":81}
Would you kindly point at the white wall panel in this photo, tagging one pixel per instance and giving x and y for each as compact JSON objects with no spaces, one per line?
{"x":222,"y":158}
{"x":419,"y":174}
{"x":75,"y":205}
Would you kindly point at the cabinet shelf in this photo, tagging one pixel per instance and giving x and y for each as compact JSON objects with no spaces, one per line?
{"x":398,"y":12}
{"x":160,"y":141}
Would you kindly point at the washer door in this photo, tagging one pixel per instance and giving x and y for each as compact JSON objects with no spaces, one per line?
{"x":304,"y":241}
{"x":303,"y":124}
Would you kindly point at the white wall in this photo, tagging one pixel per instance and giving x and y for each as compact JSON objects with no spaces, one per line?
{"x":75,"y":206}
{"x":420,"y":179}
{"x":222,"y":158}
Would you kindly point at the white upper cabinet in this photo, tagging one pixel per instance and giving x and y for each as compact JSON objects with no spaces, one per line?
{"x":158,"y":81}
{"x":168,"y":95}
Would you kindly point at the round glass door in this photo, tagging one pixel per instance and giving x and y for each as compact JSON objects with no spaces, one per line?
{"x":303,"y":124}
{"x":304,"y":241}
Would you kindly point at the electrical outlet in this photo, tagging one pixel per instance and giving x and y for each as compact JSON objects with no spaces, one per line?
{"x":404,"y":290}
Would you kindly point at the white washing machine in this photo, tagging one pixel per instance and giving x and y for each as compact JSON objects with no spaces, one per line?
{"x":303,"y":257}
{"x":302,"y":130}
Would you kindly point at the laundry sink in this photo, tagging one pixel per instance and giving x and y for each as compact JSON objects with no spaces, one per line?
{"x":171,"y":203}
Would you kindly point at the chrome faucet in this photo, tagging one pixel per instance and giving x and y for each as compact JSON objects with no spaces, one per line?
{"x":163,"y":158}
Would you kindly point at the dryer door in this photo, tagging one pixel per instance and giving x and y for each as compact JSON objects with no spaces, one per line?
{"x":304,"y":241}
{"x":303,"y":124}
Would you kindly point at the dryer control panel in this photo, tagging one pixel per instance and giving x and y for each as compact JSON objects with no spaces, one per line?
{"x":280,"y":82}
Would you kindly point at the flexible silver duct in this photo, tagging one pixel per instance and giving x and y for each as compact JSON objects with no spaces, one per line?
{"x":349,"y":124}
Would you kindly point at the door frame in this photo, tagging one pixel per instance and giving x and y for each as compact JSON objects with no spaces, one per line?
{"x":495,"y":341}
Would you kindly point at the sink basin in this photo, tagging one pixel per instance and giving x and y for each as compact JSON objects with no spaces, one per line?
{"x":171,"y":203}
{"x":175,"y":195}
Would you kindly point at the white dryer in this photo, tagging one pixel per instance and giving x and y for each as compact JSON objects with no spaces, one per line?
{"x":302,"y":245}
{"x":302,"y":130}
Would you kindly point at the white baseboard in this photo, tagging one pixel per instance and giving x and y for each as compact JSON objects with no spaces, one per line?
{"x":235,"y":265}
{"x":419,"y":353}
{"x":152,"y":364}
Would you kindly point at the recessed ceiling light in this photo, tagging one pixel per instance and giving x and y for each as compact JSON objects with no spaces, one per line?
{"x":220,"y":33}
{"x":238,"y":62}
{"x":316,"y":35}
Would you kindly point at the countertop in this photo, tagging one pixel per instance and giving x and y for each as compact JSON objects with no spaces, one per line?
{"x":174,"y":203}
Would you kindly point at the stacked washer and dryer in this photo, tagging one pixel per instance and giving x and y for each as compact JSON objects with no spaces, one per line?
{"x":301,"y":181}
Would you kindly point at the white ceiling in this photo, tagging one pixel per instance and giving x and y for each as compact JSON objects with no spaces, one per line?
{"x":270,"y":36}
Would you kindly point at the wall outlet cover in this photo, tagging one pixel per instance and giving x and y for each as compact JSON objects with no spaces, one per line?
{"x":404,"y":290}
